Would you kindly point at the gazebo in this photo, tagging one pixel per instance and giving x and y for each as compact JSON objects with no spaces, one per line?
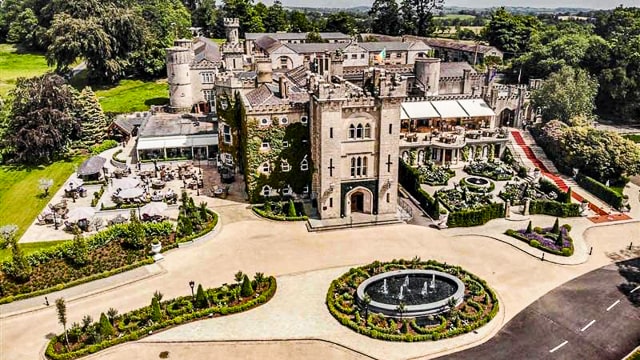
{"x":91,"y":168}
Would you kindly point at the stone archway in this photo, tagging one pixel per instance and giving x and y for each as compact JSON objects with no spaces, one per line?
{"x":359,"y":200}
{"x":507,"y":117}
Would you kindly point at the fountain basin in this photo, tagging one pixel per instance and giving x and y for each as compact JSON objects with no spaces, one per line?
{"x":477,"y":181}
{"x":419,"y":299}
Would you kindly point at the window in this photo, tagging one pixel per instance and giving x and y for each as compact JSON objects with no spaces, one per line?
{"x":399,"y":55}
{"x":359,"y":166}
{"x":354,"y":56}
{"x":352,"y":132}
{"x":364,"y":166}
{"x":353,"y":167}
{"x":226,"y":134}
{"x":330,"y":202}
{"x":228,"y":159}
{"x":367,"y":131}
{"x":285,"y":166}
{"x":388,"y":197}
{"x":305,"y":190}
{"x":390,"y":128}
{"x":207,"y":77}
{"x":361,"y":56}
{"x":264,"y":121}
{"x":331,"y":133}
{"x":285,"y":144}
{"x":208,"y":95}
{"x":266,"y":168}
{"x":265,"y":145}
{"x":304,"y":164}
{"x":287,"y":190}
{"x":304,"y":119}
{"x":266,"y":190}
{"x":359,"y":131}
{"x":284,"y":120}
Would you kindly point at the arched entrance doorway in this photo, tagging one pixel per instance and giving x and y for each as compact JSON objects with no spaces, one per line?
{"x":507,"y":117}
{"x":359,"y":200}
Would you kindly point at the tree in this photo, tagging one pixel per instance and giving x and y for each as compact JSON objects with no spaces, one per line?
{"x":569,"y":196}
{"x":239,"y":276}
{"x":207,"y":17}
{"x":61,"y":308}
{"x":201,"y":298}
{"x":341,"y":21}
{"x":105,"y":328}
{"x":314,"y":37}
{"x":418,"y":16}
{"x":8,"y":235}
{"x":24,"y":29}
{"x":79,"y":251}
{"x":276,"y":18}
{"x":41,"y":124}
{"x":510,"y":33}
{"x":112,"y":313}
{"x":19,"y":268}
{"x":566,"y":94}
{"x":156,"y":313}
{"x":298,"y":22}
{"x":385,"y":17}
{"x":247,"y":289}
{"x":185,"y":225}
{"x":137,"y":236}
{"x":259,"y":278}
{"x":556,"y":227}
{"x":250,"y":20}
{"x":529,"y":228}
{"x":45,"y":184}
{"x":93,"y":121}
{"x":292,"y":209}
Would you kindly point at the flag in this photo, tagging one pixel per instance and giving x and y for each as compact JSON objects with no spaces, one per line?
{"x":383,"y":55}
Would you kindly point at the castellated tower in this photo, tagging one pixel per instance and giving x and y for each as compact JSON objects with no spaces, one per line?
{"x":179,"y":58}
{"x":232,"y":50}
{"x":428,"y":74}
{"x":355,"y":136}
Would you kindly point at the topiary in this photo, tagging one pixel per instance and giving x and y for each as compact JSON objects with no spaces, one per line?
{"x":156,"y":313}
{"x":292,"y":209}
{"x":534,"y":243}
{"x":246,"y":289}
{"x":105,"y":327}
{"x":529,"y":228}
{"x":556,"y":227}
{"x":201,"y":298}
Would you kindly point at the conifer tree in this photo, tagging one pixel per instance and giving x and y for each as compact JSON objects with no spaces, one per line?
{"x":93,"y":121}
{"x":106,"y":329}
{"x":156,"y":313}
{"x":201,"y":298}
{"x":247,"y":289}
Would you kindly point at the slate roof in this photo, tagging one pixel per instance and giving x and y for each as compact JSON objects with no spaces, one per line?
{"x":267,"y":43}
{"x":451,"y":69}
{"x":389,"y":45}
{"x":310,"y":48}
{"x":269,"y":94}
{"x":209,"y":51}
{"x":92,"y":165}
{"x":296,"y":36}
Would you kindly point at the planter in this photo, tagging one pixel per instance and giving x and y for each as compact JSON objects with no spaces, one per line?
{"x":155,"y":249}
{"x":442,"y":221}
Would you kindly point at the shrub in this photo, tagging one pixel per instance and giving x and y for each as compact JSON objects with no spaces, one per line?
{"x":106,"y":145}
{"x":156,"y":313}
{"x":105,"y":327}
{"x":534,"y":243}
{"x":556,"y":227}
{"x":567,"y":251}
{"x":201,"y":298}
{"x":567,"y":227}
{"x":292,"y":209}
{"x":600,"y":190}
{"x":478,"y":216}
{"x":554,"y":208}
{"x":246,"y":289}
{"x":529,"y":229}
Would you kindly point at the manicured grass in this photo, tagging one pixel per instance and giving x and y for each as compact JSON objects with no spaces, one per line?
{"x":15,"y":64}
{"x":133,"y":95}
{"x":20,"y":198}
{"x":30,"y":248}
{"x":633,"y":137}
{"x":455,"y":16}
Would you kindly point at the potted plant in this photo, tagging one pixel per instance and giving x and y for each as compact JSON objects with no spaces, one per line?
{"x":156,"y":247}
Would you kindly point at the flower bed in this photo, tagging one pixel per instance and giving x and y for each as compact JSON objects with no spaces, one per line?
{"x":554,"y":240}
{"x":91,"y":337}
{"x":456,"y":200}
{"x":281,"y":211}
{"x":479,"y":305}
{"x":493,"y":170}
{"x":123,"y":246}
{"x":434,"y":175}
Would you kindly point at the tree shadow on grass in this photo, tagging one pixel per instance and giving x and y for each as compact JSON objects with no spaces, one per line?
{"x":157,"y":101}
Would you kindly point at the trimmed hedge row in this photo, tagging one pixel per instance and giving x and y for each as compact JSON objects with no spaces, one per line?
{"x":409,"y":178}
{"x":547,"y":186}
{"x":535,"y":244}
{"x":270,"y":216}
{"x":554,"y":208}
{"x":346,"y":320}
{"x":600,"y":190}
{"x":474,"y":217}
{"x":178,"y":320}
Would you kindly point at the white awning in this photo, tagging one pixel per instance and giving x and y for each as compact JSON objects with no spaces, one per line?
{"x":177,"y":141}
{"x":476,"y":107}
{"x":449,"y":109}
{"x":420,"y":110}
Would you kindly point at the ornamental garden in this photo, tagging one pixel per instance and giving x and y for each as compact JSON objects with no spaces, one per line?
{"x":411,"y":300}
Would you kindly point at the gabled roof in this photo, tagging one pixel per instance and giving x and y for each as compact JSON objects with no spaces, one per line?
{"x":388,"y":45}
{"x":267,"y":43}
{"x":312,"y":48}
{"x":451,"y":69}
{"x":209,"y":51}
{"x":91,"y":166}
{"x":297,"y":36}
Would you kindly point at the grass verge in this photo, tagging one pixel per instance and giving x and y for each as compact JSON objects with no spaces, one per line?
{"x":133,"y":95}
{"x":15,"y":63}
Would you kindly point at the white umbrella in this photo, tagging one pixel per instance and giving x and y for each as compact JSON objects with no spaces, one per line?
{"x":80,"y":213}
{"x":125,"y":183}
{"x":154,"y":208}
{"x":75,"y":182}
{"x":131,"y":193}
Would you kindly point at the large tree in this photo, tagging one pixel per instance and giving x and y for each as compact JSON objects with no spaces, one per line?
{"x":566,"y":94}
{"x":250,"y":20}
{"x":341,"y":21}
{"x":385,"y":17}
{"x":41,"y":124}
{"x":88,"y":112}
{"x":510,"y":33}
{"x":418,"y":16}
{"x":276,"y":18}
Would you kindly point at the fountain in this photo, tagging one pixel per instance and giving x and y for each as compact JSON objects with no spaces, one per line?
{"x":424,"y":292}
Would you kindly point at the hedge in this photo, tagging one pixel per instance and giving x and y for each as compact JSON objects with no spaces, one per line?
{"x":106,"y":145}
{"x":547,"y":186}
{"x":474,"y":217}
{"x":554,"y":208}
{"x":409,"y":178}
{"x":178,"y":320}
{"x":208,"y":228}
{"x":600,"y":190}
{"x":267,"y":215}
{"x":536,"y":244}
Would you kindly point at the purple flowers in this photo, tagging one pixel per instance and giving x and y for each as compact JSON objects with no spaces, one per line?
{"x":546,"y":241}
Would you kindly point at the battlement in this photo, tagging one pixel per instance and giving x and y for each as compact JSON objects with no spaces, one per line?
{"x":276,"y":108}
{"x":231,"y":22}
{"x":232,"y":48}
{"x":229,"y":80}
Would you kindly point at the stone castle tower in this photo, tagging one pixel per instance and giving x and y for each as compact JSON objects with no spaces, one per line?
{"x":232,"y":50}
{"x":179,"y":58}
{"x":355,"y":136}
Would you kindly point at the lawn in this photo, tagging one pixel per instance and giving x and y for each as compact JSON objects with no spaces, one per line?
{"x":20,"y":199}
{"x":29,"y":248}
{"x":15,"y":64}
{"x":455,"y":16}
{"x":633,"y":137}
{"x":133,"y":95}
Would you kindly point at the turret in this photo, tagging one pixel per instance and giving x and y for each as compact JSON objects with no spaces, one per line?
{"x":179,"y":59}
{"x":231,"y":27}
{"x":427,"y":72}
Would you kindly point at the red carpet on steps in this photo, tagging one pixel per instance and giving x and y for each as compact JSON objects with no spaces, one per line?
{"x":545,"y":171}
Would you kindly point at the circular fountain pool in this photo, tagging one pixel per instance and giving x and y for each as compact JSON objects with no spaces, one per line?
{"x":477,"y":181}
{"x":424,"y":292}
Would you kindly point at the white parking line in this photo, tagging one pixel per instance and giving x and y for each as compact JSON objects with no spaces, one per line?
{"x":587,"y":326}
{"x":637,"y":287}
{"x":612,"y":305}
{"x":559,"y":346}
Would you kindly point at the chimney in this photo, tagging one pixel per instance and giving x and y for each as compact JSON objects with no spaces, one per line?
{"x":264,"y":70}
{"x":284,"y":87}
{"x":466,"y":81}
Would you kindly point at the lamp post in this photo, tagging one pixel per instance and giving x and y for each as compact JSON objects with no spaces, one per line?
{"x":192,"y":284}
{"x":55,"y":220}
{"x":200,"y":172}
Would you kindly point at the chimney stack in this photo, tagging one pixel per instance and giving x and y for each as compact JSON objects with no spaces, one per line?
{"x":284,"y":87}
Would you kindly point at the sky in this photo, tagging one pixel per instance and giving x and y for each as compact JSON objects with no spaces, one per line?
{"x":596,"y":4}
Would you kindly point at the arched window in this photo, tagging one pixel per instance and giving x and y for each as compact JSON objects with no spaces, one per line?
{"x":353,"y":167}
{"x":359,"y":166}
{"x":367,"y":131}
{"x":359,"y":131}
{"x":304,"y":164}
{"x":352,"y":131}
{"x":266,"y":168}
{"x":364,"y":166}
{"x":266,"y":190}
{"x":285,"y":166}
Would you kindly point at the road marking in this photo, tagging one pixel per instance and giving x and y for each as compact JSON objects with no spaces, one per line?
{"x":637,"y":287}
{"x":612,"y":305}
{"x":587,"y":326}
{"x":559,"y":346}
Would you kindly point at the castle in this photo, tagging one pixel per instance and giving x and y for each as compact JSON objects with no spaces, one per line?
{"x":330,"y":121}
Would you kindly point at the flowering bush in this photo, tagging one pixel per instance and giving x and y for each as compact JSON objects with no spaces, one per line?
{"x":546,"y":240}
